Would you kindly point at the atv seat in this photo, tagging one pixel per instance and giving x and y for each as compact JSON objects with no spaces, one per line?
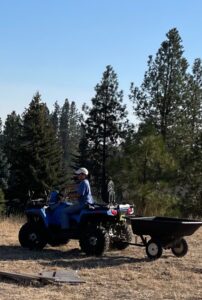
{"x":101,"y":206}
{"x":96,"y":206}
{"x":90,"y":206}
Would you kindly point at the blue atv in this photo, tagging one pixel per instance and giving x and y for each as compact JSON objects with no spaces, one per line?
{"x":97,"y":227}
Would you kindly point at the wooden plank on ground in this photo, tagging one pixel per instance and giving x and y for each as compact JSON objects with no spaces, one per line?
{"x":63,"y":276}
{"x":23,"y":276}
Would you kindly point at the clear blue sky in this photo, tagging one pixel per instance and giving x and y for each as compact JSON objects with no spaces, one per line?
{"x":61,"y":47}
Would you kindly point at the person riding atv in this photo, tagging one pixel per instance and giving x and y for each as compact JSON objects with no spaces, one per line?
{"x":84,"y":197}
{"x":97,"y":227}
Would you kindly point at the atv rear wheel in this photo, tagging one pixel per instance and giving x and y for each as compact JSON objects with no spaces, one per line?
{"x":124,"y":234}
{"x":94,"y":241}
{"x":32,"y":237}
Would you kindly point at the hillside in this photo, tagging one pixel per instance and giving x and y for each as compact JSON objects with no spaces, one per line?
{"x":124,"y":274}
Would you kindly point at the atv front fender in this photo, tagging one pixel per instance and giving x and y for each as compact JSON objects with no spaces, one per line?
{"x":38,"y":216}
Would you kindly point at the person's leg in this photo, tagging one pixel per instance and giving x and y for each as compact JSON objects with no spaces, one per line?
{"x":68,"y":211}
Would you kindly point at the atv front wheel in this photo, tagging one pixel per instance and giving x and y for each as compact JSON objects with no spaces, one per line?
{"x":94,"y":241}
{"x":32,"y":237}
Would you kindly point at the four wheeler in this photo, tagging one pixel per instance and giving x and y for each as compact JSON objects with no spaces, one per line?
{"x":97,"y":227}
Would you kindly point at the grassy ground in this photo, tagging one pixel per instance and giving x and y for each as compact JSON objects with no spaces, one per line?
{"x":124,"y":274}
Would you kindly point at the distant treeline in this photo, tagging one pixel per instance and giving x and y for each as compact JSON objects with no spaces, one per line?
{"x":157,"y":164}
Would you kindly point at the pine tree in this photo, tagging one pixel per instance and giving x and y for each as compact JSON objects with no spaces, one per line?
{"x":190,"y":135}
{"x":82,"y":158}
{"x":11,"y":144}
{"x":4,"y":172}
{"x":161,"y":94}
{"x":55,"y":118}
{"x":64,"y":132}
{"x":105,"y":126}
{"x":11,"y":136}
{"x":40,"y":150}
{"x":192,"y":108}
{"x":69,"y":133}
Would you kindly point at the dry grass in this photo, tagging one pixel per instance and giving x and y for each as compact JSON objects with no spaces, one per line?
{"x":124,"y":274}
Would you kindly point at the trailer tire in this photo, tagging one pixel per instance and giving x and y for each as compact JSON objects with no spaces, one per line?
{"x":154,"y":249}
{"x":180,"y":249}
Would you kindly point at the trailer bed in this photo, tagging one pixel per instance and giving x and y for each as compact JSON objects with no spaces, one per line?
{"x":163,"y":226}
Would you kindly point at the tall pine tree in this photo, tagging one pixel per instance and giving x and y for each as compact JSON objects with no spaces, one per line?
{"x":160,"y":97}
{"x":40,"y":150}
{"x":69,"y":134}
{"x":190,"y":135}
{"x":11,"y":142}
{"x":105,"y":126}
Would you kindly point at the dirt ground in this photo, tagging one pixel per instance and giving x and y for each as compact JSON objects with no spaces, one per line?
{"x":126,"y":274}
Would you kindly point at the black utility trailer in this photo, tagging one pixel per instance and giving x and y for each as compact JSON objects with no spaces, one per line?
{"x":164,"y":232}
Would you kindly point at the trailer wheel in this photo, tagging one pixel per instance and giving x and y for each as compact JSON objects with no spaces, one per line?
{"x":180,"y":249}
{"x":154,"y":249}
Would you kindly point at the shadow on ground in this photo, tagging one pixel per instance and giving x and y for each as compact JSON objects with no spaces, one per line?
{"x":73,"y":258}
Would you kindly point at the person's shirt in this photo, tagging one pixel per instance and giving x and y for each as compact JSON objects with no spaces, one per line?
{"x":84,"y":191}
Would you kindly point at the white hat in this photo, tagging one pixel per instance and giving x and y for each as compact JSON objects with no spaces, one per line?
{"x":82,"y":171}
